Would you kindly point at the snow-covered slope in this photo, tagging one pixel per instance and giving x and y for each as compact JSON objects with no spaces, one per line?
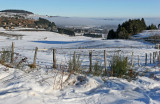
{"x":38,"y":87}
{"x":43,"y":86}
{"x":148,"y":33}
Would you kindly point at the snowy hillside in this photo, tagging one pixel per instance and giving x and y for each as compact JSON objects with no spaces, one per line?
{"x":38,"y":87}
{"x":148,"y":33}
{"x":49,"y":86}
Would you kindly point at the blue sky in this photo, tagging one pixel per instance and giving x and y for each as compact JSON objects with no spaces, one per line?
{"x":87,"y":8}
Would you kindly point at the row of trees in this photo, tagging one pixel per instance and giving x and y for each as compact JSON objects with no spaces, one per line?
{"x":66,"y":31}
{"x":16,"y":11}
{"x":129,"y":28}
{"x":44,"y":23}
{"x":92,"y":35}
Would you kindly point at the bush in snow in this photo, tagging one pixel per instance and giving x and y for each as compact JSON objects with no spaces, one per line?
{"x":5,"y":56}
{"x":75,"y":63}
{"x":98,"y":69}
{"x":119,"y":66}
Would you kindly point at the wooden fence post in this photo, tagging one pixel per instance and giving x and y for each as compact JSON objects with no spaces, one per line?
{"x":159,"y":58}
{"x":153,"y":57}
{"x":54,"y":58}
{"x":74,"y":61}
{"x":90,"y":59}
{"x":150,"y":58}
{"x":138,"y":61}
{"x":146,"y":59}
{"x":35,"y":57}
{"x":105,"y":60}
{"x":132,"y":60}
{"x":12,"y":54}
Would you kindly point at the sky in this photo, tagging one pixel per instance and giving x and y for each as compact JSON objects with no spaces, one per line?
{"x":87,"y":8}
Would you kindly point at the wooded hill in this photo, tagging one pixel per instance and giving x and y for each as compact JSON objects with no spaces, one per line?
{"x":17,"y":11}
{"x":16,"y":21}
{"x":129,"y":28}
{"x":11,"y":22}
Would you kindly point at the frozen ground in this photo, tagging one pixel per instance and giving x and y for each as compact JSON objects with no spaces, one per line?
{"x":43,"y":85}
{"x":38,"y":87}
{"x":148,"y":33}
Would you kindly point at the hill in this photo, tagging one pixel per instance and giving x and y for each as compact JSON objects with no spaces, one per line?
{"x":17,"y":11}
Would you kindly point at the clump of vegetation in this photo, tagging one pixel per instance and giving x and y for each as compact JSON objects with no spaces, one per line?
{"x":66,"y":31}
{"x":152,"y":27}
{"x":93,"y":35}
{"x":74,"y":63}
{"x":32,"y":66}
{"x":98,"y":69}
{"x":5,"y":56}
{"x":44,"y":23}
{"x":119,"y":66}
{"x":112,"y":35}
{"x":5,"y":59}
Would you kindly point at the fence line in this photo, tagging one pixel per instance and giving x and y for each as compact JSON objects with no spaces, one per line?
{"x":100,"y":55}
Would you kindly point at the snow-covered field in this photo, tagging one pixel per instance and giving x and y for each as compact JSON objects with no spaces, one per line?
{"x":39,"y":87}
{"x":43,"y":85}
{"x":148,"y":33}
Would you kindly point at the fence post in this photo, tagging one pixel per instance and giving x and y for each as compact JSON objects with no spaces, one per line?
{"x":105,"y":60}
{"x":138,"y":61}
{"x":155,"y":55}
{"x":146,"y":59}
{"x":132,"y":59}
{"x":150,"y":58}
{"x":159,"y":54}
{"x":74,"y":60}
{"x":35,"y":56}
{"x":54,"y":58}
{"x":159,"y":58}
{"x":90,"y":59}
{"x":153,"y":58}
{"x":12,"y":54}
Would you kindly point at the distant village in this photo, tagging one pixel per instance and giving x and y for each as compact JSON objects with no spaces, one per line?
{"x":12,"y":22}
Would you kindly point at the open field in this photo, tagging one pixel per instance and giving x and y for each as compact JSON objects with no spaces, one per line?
{"x":45,"y":84}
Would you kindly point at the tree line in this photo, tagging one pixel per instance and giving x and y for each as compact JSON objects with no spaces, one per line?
{"x":66,"y":31}
{"x":17,"y":11}
{"x":46,"y":24}
{"x":129,"y":28}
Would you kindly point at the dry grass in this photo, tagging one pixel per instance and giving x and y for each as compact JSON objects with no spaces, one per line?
{"x":32,"y":66}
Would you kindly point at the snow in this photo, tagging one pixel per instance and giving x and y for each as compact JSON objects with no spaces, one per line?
{"x":43,"y":86}
{"x":148,"y":33}
{"x":29,"y":88}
